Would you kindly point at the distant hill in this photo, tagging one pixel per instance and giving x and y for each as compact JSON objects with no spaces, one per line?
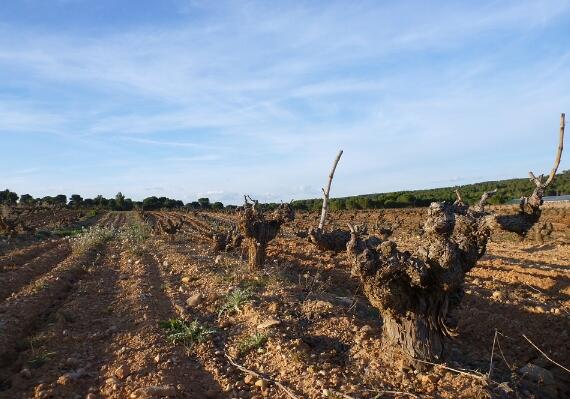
{"x":508,"y":190}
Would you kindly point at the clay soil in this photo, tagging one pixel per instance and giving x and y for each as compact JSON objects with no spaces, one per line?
{"x":88,"y":325}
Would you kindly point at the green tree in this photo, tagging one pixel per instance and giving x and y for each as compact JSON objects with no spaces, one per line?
{"x":120,"y":201}
{"x":100,"y":201}
{"x":47,"y":200}
{"x":27,"y":199}
{"x":8,"y":197}
{"x":76,"y":201}
{"x":151,"y":203}
{"x":60,"y":199}
{"x":204,"y":203}
{"x":128,"y":205}
{"x":193,"y":205}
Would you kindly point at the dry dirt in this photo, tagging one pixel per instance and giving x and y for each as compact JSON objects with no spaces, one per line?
{"x":86,"y":324}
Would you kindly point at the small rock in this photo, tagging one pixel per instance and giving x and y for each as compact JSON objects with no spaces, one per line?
{"x":271,"y":322}
{"x":74,"y":375}
{"x":91,"y":396}
{"x":540,"y":309}
{"x":64,"y":379}
{"x":137,"y":262}
{"x":249,"y":379}
{"x":165,"y":263}
{"x":122,"y":371}
{"x":26,"y":373}
{"x":186,"y":280}
{"x":428,"y":379}
{"x":154,"y":391}
{"x":157,"y":358}
{"x":273,"y":307}
{"x":261,"y":384}
{"x":218,"y":259}
{"x":194,"y":299}
{"x":497,"y":295}
{"x":366,"y":329}
{"x":111,"y":381}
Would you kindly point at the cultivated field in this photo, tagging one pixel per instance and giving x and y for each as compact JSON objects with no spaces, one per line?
{"x":140,"y":305}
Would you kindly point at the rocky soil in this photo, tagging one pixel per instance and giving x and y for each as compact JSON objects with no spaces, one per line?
{"x":95,"y":323}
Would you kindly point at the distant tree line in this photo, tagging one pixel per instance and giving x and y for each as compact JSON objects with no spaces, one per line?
{"x":119,"y":203}
{"x":507,"y":191}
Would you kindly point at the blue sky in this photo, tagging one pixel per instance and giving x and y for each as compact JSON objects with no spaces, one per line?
{"x":190,"y":98}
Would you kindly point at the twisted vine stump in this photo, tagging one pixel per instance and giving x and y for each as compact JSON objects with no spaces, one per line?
{"x":228,"y":241}
{"x":415,"y":292}
{"x":530,"y":211}
{"x":334,"y":240}
{"x":259,"y":228}
{"x":337,"y":239}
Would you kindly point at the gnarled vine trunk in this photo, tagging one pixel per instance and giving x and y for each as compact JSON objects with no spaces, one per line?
{"x":259,"y":228}
{"x":334,"y":240}
{"x":415,"y":293}
{"x":228,"y":241}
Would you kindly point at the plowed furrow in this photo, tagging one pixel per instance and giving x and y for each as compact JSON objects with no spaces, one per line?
{"x":16,"y":277}
{"x":73,"y":337}
{"x":20,"y":256}
{"x":140,"y":345}
{"x":23,"y":312}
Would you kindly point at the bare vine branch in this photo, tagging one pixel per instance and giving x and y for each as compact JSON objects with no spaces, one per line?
{"x":257,"y":375}
{"x":327,"y":192}
{"x":559,"y":150}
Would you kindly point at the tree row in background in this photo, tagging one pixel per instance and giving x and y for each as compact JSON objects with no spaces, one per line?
{"x":508,"y":190}
{"x":119,"y":203}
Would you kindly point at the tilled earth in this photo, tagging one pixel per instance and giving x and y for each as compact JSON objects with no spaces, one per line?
{"x":88,"y":324}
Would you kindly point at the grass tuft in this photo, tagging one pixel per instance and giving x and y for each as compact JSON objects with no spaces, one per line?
{"x":91,"y":238}
{"x":235,"y":301}
{"x":252,"y":342}
{"x":181,"y":332}
{"x":40,"y":359}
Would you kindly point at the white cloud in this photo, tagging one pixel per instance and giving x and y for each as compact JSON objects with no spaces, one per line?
{"x":259,"y":98}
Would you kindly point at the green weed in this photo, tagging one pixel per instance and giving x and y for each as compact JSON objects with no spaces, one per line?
{"x":251,"y":342}
{"x":235,"y":301}
{"x":91,"y":238}
{"x":181,"y":332}
{"x":40,"y":359}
